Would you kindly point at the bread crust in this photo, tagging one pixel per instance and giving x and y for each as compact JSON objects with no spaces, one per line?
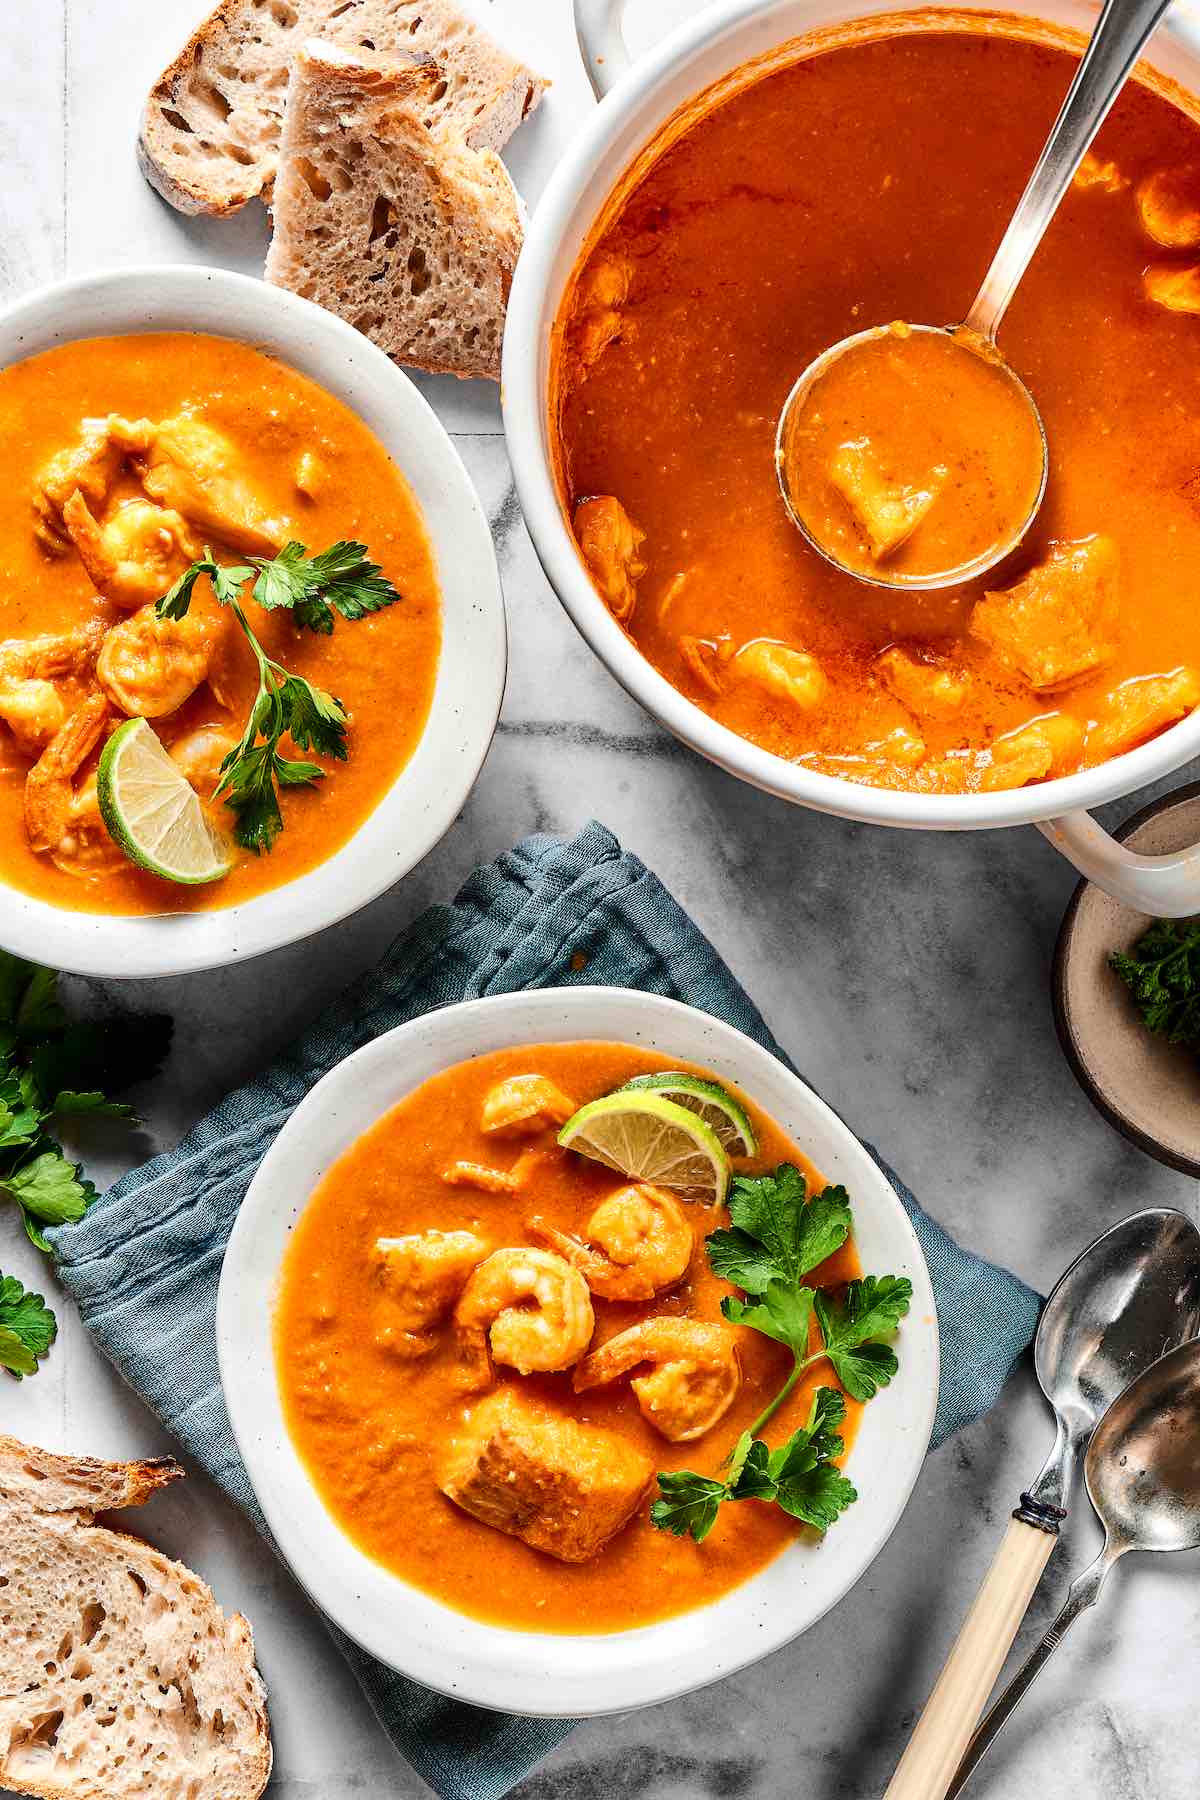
{"x":101,"y":1625}
{"x":410,"y":237}
{"x":46,"y":1481}
{"x":220,"y":175}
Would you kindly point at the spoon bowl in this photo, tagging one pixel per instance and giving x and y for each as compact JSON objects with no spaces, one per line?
{"x":1143,"y":1463}
{"x":1128,"y":1299}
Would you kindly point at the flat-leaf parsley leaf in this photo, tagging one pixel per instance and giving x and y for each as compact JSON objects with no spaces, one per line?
{"x":339,"y":580}
{"x":775,"y":1239}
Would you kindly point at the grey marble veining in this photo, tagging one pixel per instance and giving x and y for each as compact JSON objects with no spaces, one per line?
{"x":906,"y":973}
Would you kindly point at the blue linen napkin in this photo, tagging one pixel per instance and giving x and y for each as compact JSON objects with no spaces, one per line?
{"x":145,"y":1263}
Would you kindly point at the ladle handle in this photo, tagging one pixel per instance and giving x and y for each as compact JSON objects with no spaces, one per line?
{"x":1083,"y":1592}
{"x":1116,"y":43}
{"x":944,"y":1728}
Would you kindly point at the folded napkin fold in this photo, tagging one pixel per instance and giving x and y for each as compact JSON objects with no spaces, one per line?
{"x":145,"y":1263}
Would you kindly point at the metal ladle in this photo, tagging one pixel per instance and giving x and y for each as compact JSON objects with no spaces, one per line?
{"x":1131,"y":1296}
{"x":1120,"y":35}
{"x":1143,"y":1478}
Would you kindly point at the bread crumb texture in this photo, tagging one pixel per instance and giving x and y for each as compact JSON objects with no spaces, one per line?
{"x":119,"y":1673}
{"x":211,"y":128}
{"x":410,"y":238}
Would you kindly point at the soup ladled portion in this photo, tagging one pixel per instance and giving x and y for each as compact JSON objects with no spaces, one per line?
{"x":866,"y":184}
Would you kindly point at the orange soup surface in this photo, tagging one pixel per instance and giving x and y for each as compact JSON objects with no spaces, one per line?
{"x":309,"y":464}
{"x":373,"y":1427}
{"x":866,"y":180}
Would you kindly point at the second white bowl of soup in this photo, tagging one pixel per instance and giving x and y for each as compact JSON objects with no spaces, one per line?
{"x":458,"y":1358}
{"x":153,"y":418}
{"x":680,"y":273}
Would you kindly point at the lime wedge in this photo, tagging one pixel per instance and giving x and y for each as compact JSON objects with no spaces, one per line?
{"x":153,"y":813}
{"x":650,"y":1138}
{"x":715,"y":1105}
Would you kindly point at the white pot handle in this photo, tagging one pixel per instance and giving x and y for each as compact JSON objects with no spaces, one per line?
{"x":1166,"y":887}
{"x":598,"y":28}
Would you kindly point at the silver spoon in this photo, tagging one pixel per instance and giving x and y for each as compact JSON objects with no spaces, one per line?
{"x":1131,"y":1296}
{"x":1143,"y":1478}
{"x":1120,"y":35}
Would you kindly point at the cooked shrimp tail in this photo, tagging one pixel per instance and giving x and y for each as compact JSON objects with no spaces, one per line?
{"x":693,"y":1379}
{"x":527,"y":1308}
{"x":639,"y":1242}
{"x":59,"y":819}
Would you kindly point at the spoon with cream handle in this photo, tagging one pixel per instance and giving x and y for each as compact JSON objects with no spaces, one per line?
{"x":1120,"y":35}
{"x":1143,"y":1478}
{"x":1131,"y":1296}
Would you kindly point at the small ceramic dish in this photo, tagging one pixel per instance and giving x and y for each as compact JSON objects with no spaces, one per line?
{"x":431,"y":788}
{"x":1148,"y":1089}
{"x":530,"y":1672}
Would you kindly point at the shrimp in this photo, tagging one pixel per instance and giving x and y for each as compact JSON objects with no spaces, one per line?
{"x":198,"y":755}
{"x":149,"y":666}
{"x":524,"y":1104}
{"x":191,"y":468}
{"x":88,"y":467}
{"x":643,"y":1244}
{"x":134,"y":557}
{"x":60,"y":820}
{"x":694,"y":1379}
{"x":31,"y":670}
{"x":532,"y":1309}
{"x":423,"y":1275}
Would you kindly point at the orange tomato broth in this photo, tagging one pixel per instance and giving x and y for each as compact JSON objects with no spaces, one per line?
{"x":370,"y":1428}
{"x":382,"y":668}
{"x":805,"y":199}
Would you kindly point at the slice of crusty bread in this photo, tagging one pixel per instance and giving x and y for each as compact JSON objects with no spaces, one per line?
{"x":119,"y":1674}
{"x":209,"y":137}
{"x":412,"y":238}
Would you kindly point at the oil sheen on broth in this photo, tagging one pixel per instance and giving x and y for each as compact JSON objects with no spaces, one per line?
{"x":866,"y":184}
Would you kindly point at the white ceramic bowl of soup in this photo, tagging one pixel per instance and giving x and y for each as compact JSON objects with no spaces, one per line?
{"x":430,"y":790}
{"x":542,"y":1673}
{"x":637,"y":100}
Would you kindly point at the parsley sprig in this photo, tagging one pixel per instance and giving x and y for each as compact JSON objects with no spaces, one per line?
{"x":27,"y":1328}
{"x":776,"y":1237}
{"x":340,"y":580}
{"x":1163,"y":974}
{"x":801,"y":1476}
{"x":51,"y":1070}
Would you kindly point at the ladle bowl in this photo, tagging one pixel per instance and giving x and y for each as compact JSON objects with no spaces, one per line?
{"x":890,"y":575}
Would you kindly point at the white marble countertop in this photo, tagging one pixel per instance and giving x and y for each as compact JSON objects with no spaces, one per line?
{"x":907,"y":974}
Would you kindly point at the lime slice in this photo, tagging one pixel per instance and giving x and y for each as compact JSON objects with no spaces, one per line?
{"x":153,"y":813}
{"x":650,"y":1138}
{"x":715,"y":1105}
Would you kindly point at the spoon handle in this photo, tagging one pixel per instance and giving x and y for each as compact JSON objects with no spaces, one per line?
{"x":1083,"y":1592}
{"x":987,"y":1634}
{"x":1116,"y":43}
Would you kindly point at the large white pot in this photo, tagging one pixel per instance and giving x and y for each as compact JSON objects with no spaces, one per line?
{"x":428,"y":793}
{"x":636,"y":101}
